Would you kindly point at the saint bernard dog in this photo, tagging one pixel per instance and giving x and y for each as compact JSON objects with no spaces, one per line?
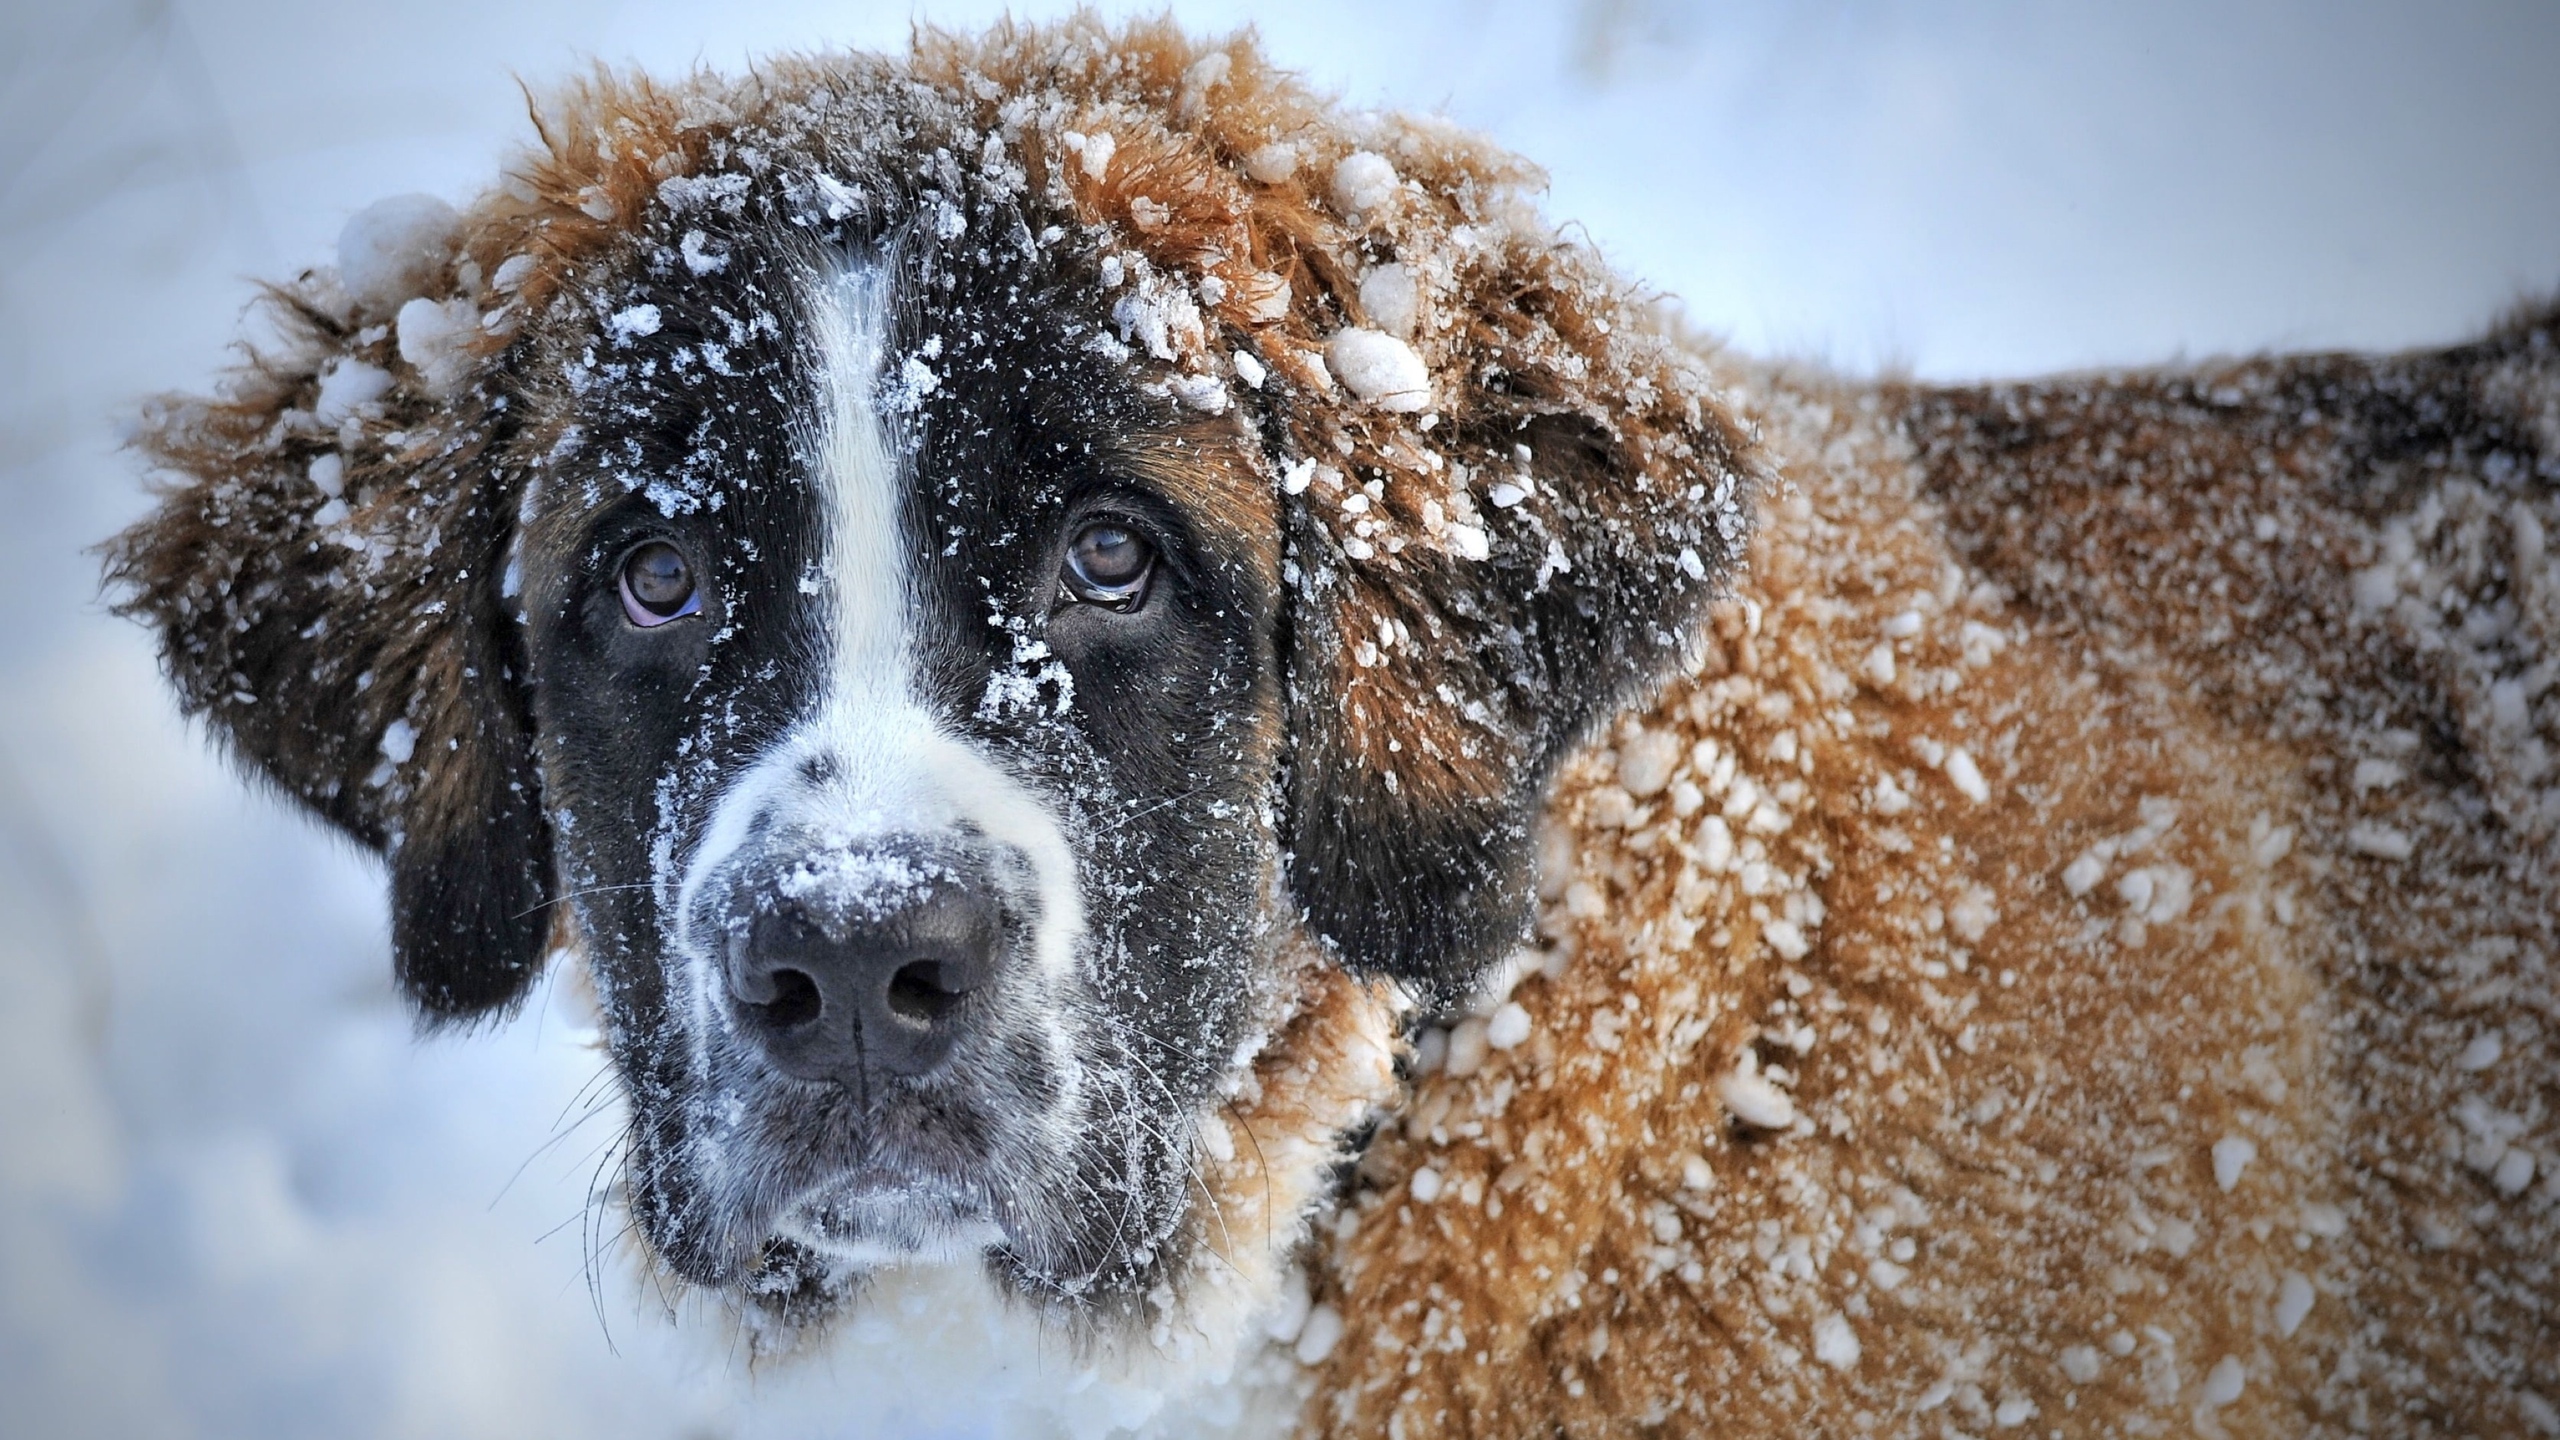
{"x":1158,"y":715}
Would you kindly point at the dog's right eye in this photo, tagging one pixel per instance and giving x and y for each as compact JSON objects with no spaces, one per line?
{"x":1108,"y":564}
{"x":657,"y":585}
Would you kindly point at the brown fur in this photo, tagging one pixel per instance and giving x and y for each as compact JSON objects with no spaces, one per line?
{"x":2030,"y":1089}
{"x":2165,"y":618}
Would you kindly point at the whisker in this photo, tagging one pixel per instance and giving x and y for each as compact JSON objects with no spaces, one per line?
{"x":596,"y":1105}
{"x":1137,"y":815}
{"x":1259,"y":1159}
{"x":617,"y":1158}
{"x":579,"y":894}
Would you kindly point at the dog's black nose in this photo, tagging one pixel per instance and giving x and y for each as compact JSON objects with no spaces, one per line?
{"x":871,"y":986}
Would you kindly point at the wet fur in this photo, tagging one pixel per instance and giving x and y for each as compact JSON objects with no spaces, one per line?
{"x":2207,"y":594}
{"x":2217,"y":591}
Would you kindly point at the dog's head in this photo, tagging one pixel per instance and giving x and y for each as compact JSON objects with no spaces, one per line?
{"x":946,"y":581}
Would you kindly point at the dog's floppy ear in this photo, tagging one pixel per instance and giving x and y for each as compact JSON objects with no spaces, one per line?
{"x":1470,"y":600}
{"x":325,"y":569}
{"x":1508,"y":494}
{"x":1434,"y":689}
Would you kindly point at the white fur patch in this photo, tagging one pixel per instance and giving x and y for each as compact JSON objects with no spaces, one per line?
{"x":894,"y":769}
{"x":885,"y":766}
{"x":940,"y":1351}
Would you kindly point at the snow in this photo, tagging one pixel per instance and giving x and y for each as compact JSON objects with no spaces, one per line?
{"x":633,"y":322}
{"x":701,"y":257}
{"x":2223,"y":1383}
{"x":2513,"y":1172}
{"x":2083,"y":874}
{"x":394,"y":250}
{"x":1319,"y":1335}
{"x":1972,"y":915}
{"x":2383,"y":842}
{"x":1787,"y":938}
{"x":1272,"y":164}
{"x":1362,"y":181}
{"x":1966,"y":776}
{"x":1646,"y":762}
{"x":2483,"y":1051}
{"x":1431,"y":1050}
{"x":1468,"y":1042}
{"x":1093,"y":152}
{"x":1754,"y":1101}
{"x":1204,"y":393}
{"x":1715,"y":844}
{"x":2157,"y":894}
{"x":1393,"y":299}
{"x":2231,"y":1155}
{"x":399,"y":741}
{"x":239,"y":1198}
{"x":435,"y":338}
{"x":1379,"y":368}
{"x":1834,"y":1343}
{"x":1879,"y":667}
{"x":1507,"y":1026}
{"x":2294,"y":1298}
{"x":1289,"y":1318}
{"x":346,"y":388}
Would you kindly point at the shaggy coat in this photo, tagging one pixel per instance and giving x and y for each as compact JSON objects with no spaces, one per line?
{"x":1796,"y":906}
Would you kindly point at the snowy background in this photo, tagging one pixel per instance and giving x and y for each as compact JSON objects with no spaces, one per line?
{"x":237,"y":1199}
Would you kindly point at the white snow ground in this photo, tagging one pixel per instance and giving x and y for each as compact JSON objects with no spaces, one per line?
{"x":237,"y":1199}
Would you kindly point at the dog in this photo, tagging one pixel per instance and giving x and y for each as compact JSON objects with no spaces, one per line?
{"x":1158,"y":716}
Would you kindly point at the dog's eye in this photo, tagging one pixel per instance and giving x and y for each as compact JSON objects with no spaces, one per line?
{"x":1108,"y":564}
{"x":657,"y":585}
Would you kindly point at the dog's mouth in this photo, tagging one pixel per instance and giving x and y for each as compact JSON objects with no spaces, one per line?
{"x":938,"y":1179}
{"x":912,"y":1175}
{"x":882,"y":1215}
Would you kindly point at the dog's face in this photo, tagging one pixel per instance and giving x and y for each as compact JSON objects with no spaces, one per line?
{"x":908,"y":703}
{"x":897,"y":572}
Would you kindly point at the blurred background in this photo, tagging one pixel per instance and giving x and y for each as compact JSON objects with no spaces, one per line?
{"x":238,"y":1199}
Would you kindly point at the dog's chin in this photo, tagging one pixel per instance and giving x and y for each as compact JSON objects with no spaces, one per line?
{"x":877,"y":1218}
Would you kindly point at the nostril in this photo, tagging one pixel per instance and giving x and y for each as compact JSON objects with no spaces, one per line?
{"x":795,"y":1000}
{"x":925,"y":991}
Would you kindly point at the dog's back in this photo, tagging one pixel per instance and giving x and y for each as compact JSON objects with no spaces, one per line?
{"x":2078,"y":955}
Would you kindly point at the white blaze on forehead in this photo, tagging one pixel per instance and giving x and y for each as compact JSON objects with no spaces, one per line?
{"x":861,"y":476}
{"x":866,"y":760}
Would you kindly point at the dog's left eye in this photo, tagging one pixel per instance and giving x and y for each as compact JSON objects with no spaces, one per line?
{"x":657,"y":585}
{"x":1109,"y":564}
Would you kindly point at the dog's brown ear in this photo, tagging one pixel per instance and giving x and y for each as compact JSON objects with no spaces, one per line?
{"x":1434,"y":688}
{"x":325,"y":571}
